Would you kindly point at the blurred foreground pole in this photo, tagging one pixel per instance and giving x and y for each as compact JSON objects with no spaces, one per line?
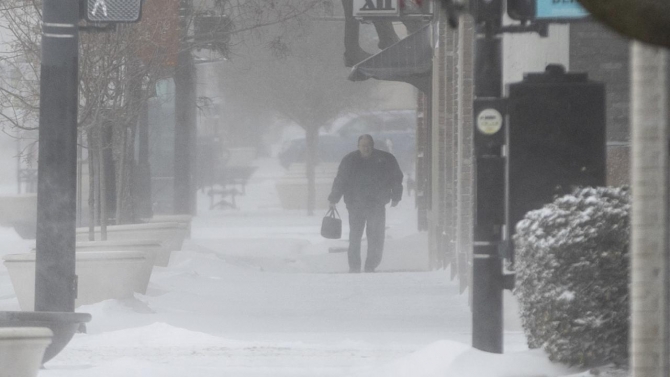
{"x":55,"y":280}
{"x":185,"y":118}
{"x":649,"y":244}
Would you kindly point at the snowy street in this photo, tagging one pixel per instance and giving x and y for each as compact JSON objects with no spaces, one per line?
{"x":256,"y":292}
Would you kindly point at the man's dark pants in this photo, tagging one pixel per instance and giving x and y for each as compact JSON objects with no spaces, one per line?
{"x":373,"y":219}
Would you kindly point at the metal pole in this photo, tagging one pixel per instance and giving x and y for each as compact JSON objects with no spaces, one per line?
{"x":649,"y":240}
{"x":487,"y":316}
{"x":55,"y":280}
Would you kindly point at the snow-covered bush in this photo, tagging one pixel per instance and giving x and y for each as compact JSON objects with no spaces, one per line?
{"x":572,"y":276}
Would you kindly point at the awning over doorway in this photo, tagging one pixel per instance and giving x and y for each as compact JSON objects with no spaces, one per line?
{"x":410,"y":60}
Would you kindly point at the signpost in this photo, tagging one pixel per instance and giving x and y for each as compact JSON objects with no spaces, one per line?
{"x":55,"y":279}
{"x":491,"y":238}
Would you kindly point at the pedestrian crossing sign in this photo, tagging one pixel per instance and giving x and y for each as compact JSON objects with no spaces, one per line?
{"x":113,"y":10}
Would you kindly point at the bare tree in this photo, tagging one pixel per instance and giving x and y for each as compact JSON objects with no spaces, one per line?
{"x":113,"y":84}
{"x":118,"y":70}
{"x":301,"y":79}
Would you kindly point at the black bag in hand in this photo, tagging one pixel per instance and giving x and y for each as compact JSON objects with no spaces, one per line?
{"x":331,"y":226}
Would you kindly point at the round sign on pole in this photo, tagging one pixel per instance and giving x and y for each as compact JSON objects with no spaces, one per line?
{"x":489,"y":121}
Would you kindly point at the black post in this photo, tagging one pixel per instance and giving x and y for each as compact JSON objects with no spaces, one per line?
{"x":487,"y":286}
{"x":55,"y":279}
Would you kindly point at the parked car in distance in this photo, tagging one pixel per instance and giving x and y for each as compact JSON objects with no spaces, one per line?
{"x":393,"y":131}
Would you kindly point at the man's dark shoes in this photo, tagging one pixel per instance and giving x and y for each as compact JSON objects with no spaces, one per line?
{"x":368,"y":269}
{"x":354,"y":270}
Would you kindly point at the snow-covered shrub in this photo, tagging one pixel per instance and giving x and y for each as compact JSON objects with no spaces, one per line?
{"x":572,"y":276}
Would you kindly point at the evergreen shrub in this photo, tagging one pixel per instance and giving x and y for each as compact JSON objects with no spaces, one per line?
{"x":572,"y":272}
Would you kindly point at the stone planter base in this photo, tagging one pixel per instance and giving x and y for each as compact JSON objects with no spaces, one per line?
{"x":22,"y":350}
{"x":171,"y":236}
{"x":102,"y":275}
{"x":62,"y":325}
{"x":182,"y":219}
{"x":150,"y":247}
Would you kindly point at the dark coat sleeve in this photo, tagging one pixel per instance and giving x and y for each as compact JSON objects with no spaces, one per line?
{"x":396,"y":177}
{"x":341,"y":180}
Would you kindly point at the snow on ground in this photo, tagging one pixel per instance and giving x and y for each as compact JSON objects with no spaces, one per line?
{"x":257,"y":292}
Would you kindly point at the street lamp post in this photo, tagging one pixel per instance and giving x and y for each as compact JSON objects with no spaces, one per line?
{"x":487,"y":284}
{"x":55,"y":279}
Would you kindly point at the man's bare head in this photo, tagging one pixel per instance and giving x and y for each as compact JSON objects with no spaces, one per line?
{"x":365,"y":145}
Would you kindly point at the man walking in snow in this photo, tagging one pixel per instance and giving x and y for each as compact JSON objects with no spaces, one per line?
{"x":368,"y":179}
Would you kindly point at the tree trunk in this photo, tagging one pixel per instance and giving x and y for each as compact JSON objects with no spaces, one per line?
{"x":125,"y":209}
{"x":102,"y":179}
{"x":121,"y":184}
{"x":649,"y":239}
{"x":312,"y":139}
{"x":143,"y":171}
{"x":91,"y":184}
{"x":185,"y":124}
{"x":80,"y":176}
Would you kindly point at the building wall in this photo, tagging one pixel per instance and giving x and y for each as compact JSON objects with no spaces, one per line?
{"x":465,"y":193}
{"x":529,"y":52}
{"x":396,"y":95}
{"x":605,"y":56}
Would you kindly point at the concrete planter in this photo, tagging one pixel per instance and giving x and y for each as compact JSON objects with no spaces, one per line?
{"x":63,"y":325}
{"x":185,"y":219}
{"x":102,"y":275}
{"x":150,"y":247}
{"x":22,"y":350}
{"x":20,"y":213}
{"x":171,"y":236}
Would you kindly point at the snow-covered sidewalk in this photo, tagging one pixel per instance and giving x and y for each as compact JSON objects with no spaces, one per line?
{"x":256,"y":292}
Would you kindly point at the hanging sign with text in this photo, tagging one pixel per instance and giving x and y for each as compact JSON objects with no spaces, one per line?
{"x":559,"y":10}
{"x":366,"y":8}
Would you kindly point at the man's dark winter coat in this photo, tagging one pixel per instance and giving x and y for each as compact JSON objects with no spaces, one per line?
{"x":365,"y":182}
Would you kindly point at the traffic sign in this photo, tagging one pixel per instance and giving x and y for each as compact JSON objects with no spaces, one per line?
{"x":113,"y":10}
{"x":559,"y":10}
{"x":489,"y":121}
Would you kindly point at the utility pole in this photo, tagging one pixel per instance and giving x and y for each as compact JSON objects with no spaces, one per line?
{"x":649,"y":351}
{"x":487,"y":282}
{"x":55,"y":279}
